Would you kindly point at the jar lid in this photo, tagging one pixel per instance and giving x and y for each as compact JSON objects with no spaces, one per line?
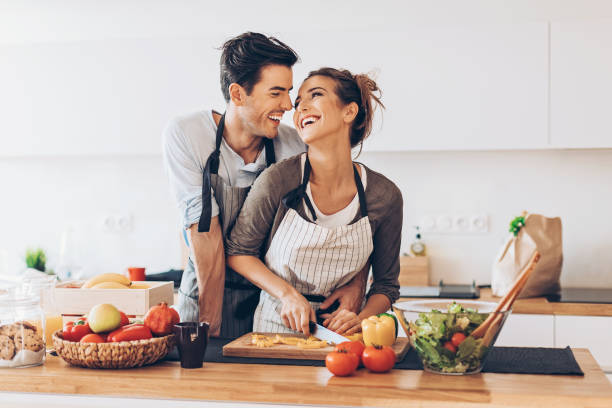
{"x":19,"y":301}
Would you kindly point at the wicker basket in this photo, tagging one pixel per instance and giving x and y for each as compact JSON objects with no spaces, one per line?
{"x":125,"y":354}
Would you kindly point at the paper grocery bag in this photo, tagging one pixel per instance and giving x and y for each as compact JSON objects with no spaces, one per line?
{"x":543,"y":234}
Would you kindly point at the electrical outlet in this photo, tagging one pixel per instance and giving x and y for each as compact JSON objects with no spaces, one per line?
{"x":119,"y":223}
{"x":456,"y":224}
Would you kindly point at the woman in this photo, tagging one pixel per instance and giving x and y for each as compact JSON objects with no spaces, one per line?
{"x":322,"y":217}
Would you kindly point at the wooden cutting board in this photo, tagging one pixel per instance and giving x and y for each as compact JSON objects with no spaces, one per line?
{"x":242,"y":347}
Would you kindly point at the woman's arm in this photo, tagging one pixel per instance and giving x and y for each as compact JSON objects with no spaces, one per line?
{"x":296,"y":311}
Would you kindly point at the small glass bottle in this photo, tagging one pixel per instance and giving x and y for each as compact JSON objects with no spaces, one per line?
{"x":44,"y":288}
{"x":22,"y":336}
{"x":418,"y":248}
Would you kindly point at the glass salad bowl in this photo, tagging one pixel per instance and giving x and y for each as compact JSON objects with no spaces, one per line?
{"x":444,"y":335}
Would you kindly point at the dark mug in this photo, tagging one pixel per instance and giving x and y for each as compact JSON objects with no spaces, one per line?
{"x":191,"y":342}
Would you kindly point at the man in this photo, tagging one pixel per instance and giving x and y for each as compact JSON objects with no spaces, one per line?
{"x":212,"y":159}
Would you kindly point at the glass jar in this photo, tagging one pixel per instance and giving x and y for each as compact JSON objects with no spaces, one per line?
{"x":22,"y":331}
{"x":44,"y":288}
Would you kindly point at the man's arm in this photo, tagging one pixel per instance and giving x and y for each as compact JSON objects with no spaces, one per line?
{"x":349,"y":296}
{"x":209,"y":262}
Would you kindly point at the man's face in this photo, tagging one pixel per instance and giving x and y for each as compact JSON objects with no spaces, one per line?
{"x":269,"y":100}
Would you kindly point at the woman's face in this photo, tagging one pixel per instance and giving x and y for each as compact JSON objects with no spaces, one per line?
{"x":318,"y":110}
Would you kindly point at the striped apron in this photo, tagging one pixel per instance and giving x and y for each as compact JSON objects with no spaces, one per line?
{"x":314,"y":259}
{"x":240,"y":296}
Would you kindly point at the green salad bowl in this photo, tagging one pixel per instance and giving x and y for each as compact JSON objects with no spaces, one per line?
{"x":442,"y":333}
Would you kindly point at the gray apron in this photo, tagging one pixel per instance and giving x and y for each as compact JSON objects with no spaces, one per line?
{"x":240,"y":297}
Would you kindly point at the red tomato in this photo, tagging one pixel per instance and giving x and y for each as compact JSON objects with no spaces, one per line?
{"x":92,"y":338}
{"x":450,"y":346}
{"x":457,"y":339}
{"x":341,"y":363}
{"x":74,"y":331}
{"x":352,"y":347}
{"x":124,"y":319}
{"x":378,"y":359}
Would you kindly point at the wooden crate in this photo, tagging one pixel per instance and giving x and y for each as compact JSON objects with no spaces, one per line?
{"x":77,"y":301}
{"x":414,"y":271}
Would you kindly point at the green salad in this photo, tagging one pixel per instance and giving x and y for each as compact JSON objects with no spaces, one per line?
{"x":442,"y":339}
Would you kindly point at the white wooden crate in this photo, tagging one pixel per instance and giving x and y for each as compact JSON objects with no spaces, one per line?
{"x":76,"y":301}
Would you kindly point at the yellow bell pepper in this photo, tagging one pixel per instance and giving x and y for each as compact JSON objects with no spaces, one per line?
{"x":379,"y":330}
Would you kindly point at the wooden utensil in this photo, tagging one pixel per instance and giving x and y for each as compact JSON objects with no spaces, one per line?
{"x":489,"y":327}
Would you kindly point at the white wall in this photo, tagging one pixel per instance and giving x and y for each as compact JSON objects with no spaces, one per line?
{"x":40,"y":197}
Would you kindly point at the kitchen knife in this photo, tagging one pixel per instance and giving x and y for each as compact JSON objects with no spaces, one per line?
{"x":324,"y":333}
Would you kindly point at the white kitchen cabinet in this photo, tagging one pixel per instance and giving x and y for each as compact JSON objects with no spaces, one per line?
{"x":581,"y":84}
{"x":592,"y":332}
{"x":102,"y":97}
{"x":446,"y":86}
{"x":527,"y":330}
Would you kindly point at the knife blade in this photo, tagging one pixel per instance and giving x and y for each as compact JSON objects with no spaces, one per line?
{"x":324,"y":333}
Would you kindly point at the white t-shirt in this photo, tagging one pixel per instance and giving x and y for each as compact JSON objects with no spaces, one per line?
{"x":342,"y":217}
{"x":189,"y":140}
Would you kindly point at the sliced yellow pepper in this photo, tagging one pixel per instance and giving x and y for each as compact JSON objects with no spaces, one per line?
{"x":380,"y":330}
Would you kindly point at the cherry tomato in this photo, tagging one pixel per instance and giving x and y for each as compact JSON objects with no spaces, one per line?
{"x":450,"y":346}
{"x":457,"y":339}
{"x":74,"y":331}
{"x":341,"y":363}
{"x":352,"y":347}
{"x":92,"y":338}
{"x":124,"y":319}
{"x":378,"y":359}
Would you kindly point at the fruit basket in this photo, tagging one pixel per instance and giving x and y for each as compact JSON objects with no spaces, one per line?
{"x":125,"y":354}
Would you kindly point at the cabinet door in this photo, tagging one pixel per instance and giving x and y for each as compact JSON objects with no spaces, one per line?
{"x":592,"y":332}
{"x":527,"y":330}
{"x":581,"y":84}
{"x":102,"y":97}
{"x":445,"y":87}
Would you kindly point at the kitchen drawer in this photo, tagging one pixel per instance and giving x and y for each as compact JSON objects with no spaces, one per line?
{"x":523,"y":330}
{"x":592,"y":332}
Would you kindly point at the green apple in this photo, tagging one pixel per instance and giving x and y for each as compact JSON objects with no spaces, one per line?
{"x":103,"y":317}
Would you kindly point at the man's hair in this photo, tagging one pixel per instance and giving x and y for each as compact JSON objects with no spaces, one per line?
{"x":244,"y":56}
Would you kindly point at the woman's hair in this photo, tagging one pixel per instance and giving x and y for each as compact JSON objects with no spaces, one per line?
{"x":358,"y":88}
{"x":243,"y":57}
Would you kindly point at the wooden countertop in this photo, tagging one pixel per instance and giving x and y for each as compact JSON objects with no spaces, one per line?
{"x":541,"y":305}
{"x":315,"y":385}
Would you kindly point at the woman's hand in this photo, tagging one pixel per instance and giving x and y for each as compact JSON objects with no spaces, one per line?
{"x":297,"y":313}
{"x":343,"y":321}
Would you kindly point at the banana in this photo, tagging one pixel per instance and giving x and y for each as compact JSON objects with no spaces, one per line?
{"x":139,"y":286}
{"x":109,"y":285}
{"x":107,"y":277}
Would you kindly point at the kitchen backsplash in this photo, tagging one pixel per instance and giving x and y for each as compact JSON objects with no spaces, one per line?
{"x":102,"y":214}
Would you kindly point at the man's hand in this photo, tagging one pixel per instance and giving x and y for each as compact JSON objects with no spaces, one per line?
{"x":350,"y":296}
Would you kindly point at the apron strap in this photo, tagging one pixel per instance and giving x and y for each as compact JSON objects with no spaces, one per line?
{"x":270,"y":155}
{"x":212,"y":167}
{"x":292,"y":199}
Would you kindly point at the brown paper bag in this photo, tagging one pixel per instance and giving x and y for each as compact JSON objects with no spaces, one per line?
{"x":543,"y":234}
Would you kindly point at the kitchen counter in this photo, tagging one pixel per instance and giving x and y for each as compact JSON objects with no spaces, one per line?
{"x":315,"y":385}
{"x":542,"y":306}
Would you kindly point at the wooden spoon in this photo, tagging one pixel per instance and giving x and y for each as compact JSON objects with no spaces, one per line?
{"x":488,"y":328}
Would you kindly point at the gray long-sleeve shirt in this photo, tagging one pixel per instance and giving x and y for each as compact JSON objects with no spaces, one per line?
{"x":263,"y":212}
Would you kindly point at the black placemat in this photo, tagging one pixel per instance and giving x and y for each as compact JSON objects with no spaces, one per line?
{"x":516,"y":360}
